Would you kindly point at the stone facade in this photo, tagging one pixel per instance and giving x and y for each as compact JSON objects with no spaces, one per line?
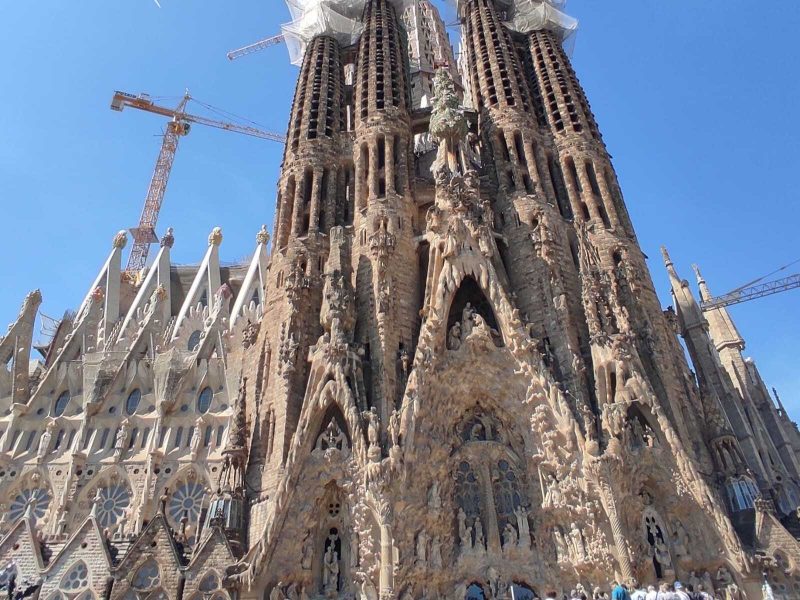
{"x":450,"y":378}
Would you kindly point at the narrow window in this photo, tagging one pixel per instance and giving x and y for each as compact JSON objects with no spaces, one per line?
{"x":178,"y":438}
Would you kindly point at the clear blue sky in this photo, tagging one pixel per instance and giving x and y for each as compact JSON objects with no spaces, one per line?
{"x":697,"y":101}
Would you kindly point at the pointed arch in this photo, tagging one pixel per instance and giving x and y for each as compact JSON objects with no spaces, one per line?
{"x":147,"y":577}
{"x":470,"y":293}
{"x":76,"y":579}
{"x":333,"y":433}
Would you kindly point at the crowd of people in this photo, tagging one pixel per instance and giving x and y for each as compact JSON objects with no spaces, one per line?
{"x":664,"y":591}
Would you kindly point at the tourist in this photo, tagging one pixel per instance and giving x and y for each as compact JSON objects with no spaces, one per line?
{"x":619,"y":592}
{"x":680,"y":592}
{"x":652,"y":594}
{"x":665,"y":593}
{"x":638,"y":592}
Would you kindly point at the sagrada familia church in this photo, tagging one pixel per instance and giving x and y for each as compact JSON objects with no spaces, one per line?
{"x":445,"y":375}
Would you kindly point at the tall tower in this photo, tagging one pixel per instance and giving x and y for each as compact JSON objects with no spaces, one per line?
{"x":450,"y":378}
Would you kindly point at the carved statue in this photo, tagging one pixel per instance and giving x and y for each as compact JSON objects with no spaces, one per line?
{"x":552,"y":497}
{"x":436,"y":553}
{"x":330,"y":570}
{"x":308,"y":551}
{"x":44,"y":442}
{"x":454,"y":337}
{"x":523,"y":526}
{"x":562,"y":551}
{"x":467,"y":320}
{"x":464,"y":532}
{"x":332,"y":438}
{"x":510,"y":537}
{"x":680,"y":541}
{"x":194,"y":445}
{"x":422,"y":548}
{"x":480,"y":544}
{"x":578,"y":543}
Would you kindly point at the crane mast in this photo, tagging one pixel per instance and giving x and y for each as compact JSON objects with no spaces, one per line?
{"x":180,"y":123}
{"x":145,"y":233}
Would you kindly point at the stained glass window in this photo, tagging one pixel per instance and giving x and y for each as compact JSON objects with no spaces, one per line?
{"x":204,"y":400}
{"x":506,"y":493}
{"x":113,"y":501}
{"x":468,"y":491}
{"x":209,"y":583}
{"x":76,"y":579}
{"x":61,"y":404}
{"x":187,"y":499}
{"x":133,"y":401}
{"x":147,"y":577}
{"x":39,"y":500}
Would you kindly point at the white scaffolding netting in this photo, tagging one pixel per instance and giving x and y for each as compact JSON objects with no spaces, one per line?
{"x":531,"y":15}
{"x":340,"y":19}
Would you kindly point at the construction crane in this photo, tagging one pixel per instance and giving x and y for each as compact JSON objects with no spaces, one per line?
{"x":256,"y":47}
{"x":179,"y":126}
{"x":753,"y":290}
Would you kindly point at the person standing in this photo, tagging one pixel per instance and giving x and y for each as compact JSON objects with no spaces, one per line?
{"x":620,"y":592}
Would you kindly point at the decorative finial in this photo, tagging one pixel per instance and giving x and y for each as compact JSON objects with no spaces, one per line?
{"x":169,"y":238}
{"x":262,"y":237}
{"x":98,"y":294}
{"x":215,"y":238}
{"x":698,"y":274}
{"x":160,"y":293}
{"x":121,"y":240}
{"x":665,"y":254}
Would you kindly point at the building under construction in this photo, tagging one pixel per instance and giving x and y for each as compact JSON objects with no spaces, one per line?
{"x":445,"y":374}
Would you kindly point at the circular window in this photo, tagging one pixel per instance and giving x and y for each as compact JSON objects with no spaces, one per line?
{"x":111,"y":504}
{"x":194,"y":340}
{"x":133,"y":401}
{"x":61,"y":404}
{"x":37,"y":498}
{"x":204,"y":400}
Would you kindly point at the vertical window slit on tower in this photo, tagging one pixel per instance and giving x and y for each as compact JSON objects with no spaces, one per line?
{"x":557,"y":180}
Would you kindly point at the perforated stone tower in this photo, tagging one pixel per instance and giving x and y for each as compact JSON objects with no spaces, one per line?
{"x":450,"y":377}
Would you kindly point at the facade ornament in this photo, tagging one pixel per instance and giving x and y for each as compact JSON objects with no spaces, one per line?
{"x":262,"y":237}
{"x":436,"y":553}
{"x":120,"y":240}
{"x":422,"y":548}
{"x":480,"y":542}
{"x":44,"y":441}
{"x":168,"y":240}
{"x":330,"y":568}
{"x":215,"y":237}
{"x":308,"y":551}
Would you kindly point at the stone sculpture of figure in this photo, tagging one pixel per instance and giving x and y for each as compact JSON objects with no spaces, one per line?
{"x":562,"y":552}
{"x":724,"y":578}
{"x":422,"y":548}
{"x":464,"y":532}
{"x":552,"y":497}
{"x":497,"y":585}
{"x":479,"y":540}
{"x":44,"y":442}
{"x":394,"y":428}
{"x":454,"y":337}
{"x":680,"y":541}
{"x":308,"y":551}
{"x":330,"y":571}
{"x":122,"y":436}
{"x":436,"y":552}
{"x":577,"y":542}
{"x":662,"y":554}
{"x":194,"y":445}
{"x":523,"y":526}
{"x":372,"y":427}
{"x":332,"y":438}
{"x":708,"y":583}
{"x":467,"y":320}
{"x":434,"y":499}
{"x":510,"y":537}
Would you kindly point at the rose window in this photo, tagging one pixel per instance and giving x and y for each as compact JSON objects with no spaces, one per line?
{"x":39,"y":500}
{"x":76,"y":579}
{"x":209,"y":583}
{"x":112,"y":503}
{"x":187,"y":500}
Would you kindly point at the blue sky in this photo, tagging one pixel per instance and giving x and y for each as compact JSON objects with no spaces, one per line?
{"x":697,"y":102}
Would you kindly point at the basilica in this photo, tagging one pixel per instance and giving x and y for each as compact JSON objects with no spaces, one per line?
{"x":444,"y":374}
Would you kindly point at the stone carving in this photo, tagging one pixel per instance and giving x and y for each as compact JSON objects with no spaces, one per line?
{"x":44,"y":441}
{"x":422,"y":548}
{"x":436,"y":553}
{"x":330,"y":571}
{"x":510,"y":537}
{"x":331,"y":438}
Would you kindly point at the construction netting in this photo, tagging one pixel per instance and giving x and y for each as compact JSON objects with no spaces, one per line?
{"x":531,"y":15}
{"x":340,"y":19}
